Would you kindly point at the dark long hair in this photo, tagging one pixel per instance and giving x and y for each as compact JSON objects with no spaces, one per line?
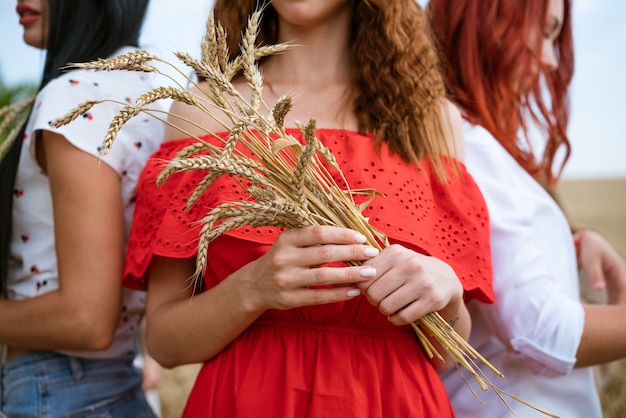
{"x":79,"y":31}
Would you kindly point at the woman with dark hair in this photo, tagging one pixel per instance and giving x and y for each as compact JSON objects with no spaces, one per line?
{"x":67,"y":325}
{"x":284,"y":325}
{"x":508,"y":66}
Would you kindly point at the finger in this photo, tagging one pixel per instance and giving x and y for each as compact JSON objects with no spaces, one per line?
{"x":337,"y":276}
{"x":389,"y":258}
{"x":406,"y":305}
{"x":328,"y":253}
{"x":410,"y":313}
{"x":396,"y":301}
{"x":378,"y":291}
{"x":396,"y":267}
{"x":311,"y":297}
{"x":319,"y":235}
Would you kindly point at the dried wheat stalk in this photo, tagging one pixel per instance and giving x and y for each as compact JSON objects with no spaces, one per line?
{"x":290,"y":185}
{"x":12,"y":119}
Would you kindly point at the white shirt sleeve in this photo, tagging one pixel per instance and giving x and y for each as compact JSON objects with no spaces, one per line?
{"x":537,"y":312}
{"x":115,"y":89}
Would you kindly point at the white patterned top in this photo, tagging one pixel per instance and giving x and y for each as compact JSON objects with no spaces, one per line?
{"x":33,"y":264}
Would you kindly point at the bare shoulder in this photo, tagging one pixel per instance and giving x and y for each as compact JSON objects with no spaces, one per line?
{"x":186,"y":120}
{"x":453,"y":129}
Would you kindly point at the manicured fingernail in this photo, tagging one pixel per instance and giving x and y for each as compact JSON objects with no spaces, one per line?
{"x":371,"y":251}
{"x":367,"y":272}
{"x":353,"y":292}
{"x":360,"y":238}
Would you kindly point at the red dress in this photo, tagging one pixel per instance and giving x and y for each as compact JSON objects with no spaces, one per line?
{"x":338,"y":360}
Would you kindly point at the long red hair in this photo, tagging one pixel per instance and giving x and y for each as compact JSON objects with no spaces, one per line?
{"x":484,"y":48}
{"x":397,"y":91}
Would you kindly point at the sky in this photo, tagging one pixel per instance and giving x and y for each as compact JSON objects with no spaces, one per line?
{"x":598,"y":110}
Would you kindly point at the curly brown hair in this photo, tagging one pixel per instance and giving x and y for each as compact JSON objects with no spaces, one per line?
{"x":397,"y":93}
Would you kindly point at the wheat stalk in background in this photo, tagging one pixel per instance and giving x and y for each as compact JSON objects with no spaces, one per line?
{"x":289,"y":182}
{"x":12,"y":119}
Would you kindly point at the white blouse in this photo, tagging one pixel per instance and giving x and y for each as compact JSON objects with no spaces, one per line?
{"x":532,"y":331}
{"x":32,"y":264}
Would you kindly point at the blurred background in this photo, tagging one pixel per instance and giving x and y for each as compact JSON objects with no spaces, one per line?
{"x":593,"y":186}
{"x":597,"y":129}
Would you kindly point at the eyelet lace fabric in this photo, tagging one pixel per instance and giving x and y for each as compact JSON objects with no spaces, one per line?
{"x":339,"y":359}
{"x":447,"y":220}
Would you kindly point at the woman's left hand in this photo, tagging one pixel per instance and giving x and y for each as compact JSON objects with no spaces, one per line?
{"x":602,"y":264}
{"x":408,"y":285}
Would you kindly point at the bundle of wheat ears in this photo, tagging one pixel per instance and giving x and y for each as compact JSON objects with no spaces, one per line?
{"x":290,"y":186}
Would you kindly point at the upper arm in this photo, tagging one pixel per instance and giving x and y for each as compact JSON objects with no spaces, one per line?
{"x":89,"y":226}
{"x":169,"y":281}
{"x":453,"y":130}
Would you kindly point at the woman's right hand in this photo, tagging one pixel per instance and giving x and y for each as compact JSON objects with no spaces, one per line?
{"x":183,"y":327}
{"x":293,"y":272}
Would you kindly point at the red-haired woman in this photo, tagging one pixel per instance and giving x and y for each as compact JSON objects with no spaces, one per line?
{"x":509,"y":66}
{"x":274,"y":343}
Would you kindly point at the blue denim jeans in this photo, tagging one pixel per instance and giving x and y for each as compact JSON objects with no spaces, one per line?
{"x":47,"y":384}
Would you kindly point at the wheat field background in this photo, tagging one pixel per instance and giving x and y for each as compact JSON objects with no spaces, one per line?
{"x":595,"y":204}
{"x":601,"y":205}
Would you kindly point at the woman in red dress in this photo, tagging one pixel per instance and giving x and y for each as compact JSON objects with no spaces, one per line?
{"x":283,"y":326}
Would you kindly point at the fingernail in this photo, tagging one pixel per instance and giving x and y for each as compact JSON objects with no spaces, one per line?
{"x":353,"y":292}
{"x":371,"y":251}
{"x":360,"y":238}
{"x":367,"y":272}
